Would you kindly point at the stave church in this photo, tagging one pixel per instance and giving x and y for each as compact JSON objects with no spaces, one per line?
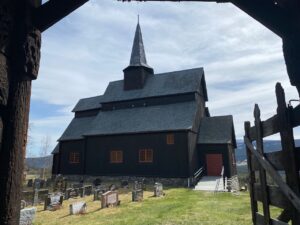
{"x":147,"y":125}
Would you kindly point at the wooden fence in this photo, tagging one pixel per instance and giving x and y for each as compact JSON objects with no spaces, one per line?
{"x":284,"y":189}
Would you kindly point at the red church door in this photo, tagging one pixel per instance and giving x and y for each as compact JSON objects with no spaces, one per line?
{"x":214,"y":164}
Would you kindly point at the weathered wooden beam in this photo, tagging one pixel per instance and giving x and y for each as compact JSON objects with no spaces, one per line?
{"x":286,"y":190}
{"x":252,"y":178}
{"x":269,"y":127}
{"x":276,"y":197}
{"x":260,"y":220}
{"x":275,"y":18}
{"x":262,"y":173}
{"x":53,"y":11}
{"x":276,"y":159}
{"x":288,"y":147}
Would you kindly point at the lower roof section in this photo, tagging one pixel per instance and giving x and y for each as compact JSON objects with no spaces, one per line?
{"x":76,"y":128}
{"x":170,"y":117}
{"x":217,"y":130}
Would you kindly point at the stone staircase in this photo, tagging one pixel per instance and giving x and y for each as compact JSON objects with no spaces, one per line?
{"x":209,"y":183}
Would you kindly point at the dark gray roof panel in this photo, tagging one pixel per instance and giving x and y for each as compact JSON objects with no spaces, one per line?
{"x":179,"y":116}
{"x":88,"y":104}
{"x":216,"y":130}
{"x":76,"y":128}
{"x":171,"y":83}
{"x":56,"y":149}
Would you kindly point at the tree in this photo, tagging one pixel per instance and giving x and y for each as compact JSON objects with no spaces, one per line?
{"x":44,"y":151}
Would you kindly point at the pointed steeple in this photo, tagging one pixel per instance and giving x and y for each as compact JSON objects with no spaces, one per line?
{"x":135,"y":75}
{"x":138,"y":56}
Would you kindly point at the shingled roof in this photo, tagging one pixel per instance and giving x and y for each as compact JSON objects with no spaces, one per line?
{"x":217,"y":130}
{"x":76,"y":128}
{"x":172,"y":83}
{"x":56,"y":149}
{"x":88,"y":104}
{"x":179,"y":116}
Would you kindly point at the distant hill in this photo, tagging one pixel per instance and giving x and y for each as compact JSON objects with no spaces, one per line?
{"x":269,"y":146}
{"x":39,"y":162}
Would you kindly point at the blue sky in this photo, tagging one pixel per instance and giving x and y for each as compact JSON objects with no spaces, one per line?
{"x":83,"y":52}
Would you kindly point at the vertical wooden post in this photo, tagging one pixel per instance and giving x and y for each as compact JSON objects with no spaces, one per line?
{"x":262,"y":172}
{"x":251,"y":173}
{"x":22,"y":54}
{"x":288,"y":147}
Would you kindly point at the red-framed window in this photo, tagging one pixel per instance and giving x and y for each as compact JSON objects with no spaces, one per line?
{"x":170,"y":139}
{"x":146,"y":155}
{"x":74,"y":157}
{"x":116,"y":156}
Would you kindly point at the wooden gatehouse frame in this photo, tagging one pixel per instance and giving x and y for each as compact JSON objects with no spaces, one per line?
{"x":281,"y":193}
{"x":21,"y":25}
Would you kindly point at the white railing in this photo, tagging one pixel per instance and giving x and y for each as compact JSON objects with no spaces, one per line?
{"x":193,"y":180}
{"x":218,"y":181}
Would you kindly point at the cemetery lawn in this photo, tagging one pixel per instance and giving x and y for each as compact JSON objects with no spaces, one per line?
{"x":178,"y":206}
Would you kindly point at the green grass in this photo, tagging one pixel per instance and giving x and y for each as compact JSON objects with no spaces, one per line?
{"x":178,"y":206}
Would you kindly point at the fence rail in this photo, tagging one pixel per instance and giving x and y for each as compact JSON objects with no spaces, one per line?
{"x":285,"y":194}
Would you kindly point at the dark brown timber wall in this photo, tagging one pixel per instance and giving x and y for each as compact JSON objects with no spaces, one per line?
{"x":66,"y":147}
{"x":168,"y":160}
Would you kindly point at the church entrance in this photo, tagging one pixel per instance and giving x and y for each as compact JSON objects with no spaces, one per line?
{"x":214,"y":164}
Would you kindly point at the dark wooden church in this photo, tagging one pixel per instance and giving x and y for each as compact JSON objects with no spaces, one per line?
{"x":149,"y":125}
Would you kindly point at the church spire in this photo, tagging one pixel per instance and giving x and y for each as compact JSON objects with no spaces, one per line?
{"x":135,"y":75}
{"x":138,"y":56}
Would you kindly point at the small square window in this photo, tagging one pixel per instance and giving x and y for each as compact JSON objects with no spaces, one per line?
{"x":146,"y":155}
{"x":170,"y":139}
{"x":74,"y":157}
{"x":116,"y":156}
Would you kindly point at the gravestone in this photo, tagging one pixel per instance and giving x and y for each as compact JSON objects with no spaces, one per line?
{"x":124,"y":184}
{"x":158,"y":190}
{"x":74,"y":193}
{"x":99,"y":191}
{"x":23,"y":204}
{"x":53,"y":202}
{"x":30,"y":183}
{"x":97,"y":182}
{"x":137,"y":195}
{"x":137,"y":185}
{"x":113,"y":187}
{"x":60,"y":183}
{"x":37,"y":183}
{"x":88,"y":190}
{"x":42,"y":183}
{"x":81,"y":192}
{"x":97,"y":194}
{"x":27,"y":196}
{"x":43,"y":194}
{"x":27,"y":216}
{"x":48,"y":183}
{"x":78,"y":208}
{"x":109,"y":198}
{"x":68,"y":193}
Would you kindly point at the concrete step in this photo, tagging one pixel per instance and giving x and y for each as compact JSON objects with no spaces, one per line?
{"x":208,"y":183}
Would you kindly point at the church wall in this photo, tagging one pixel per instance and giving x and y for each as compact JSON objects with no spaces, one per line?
{"x":55,"y":164}
{"x":168,"y":160}
{"x":66,"y":147}
{"x":194,"y":163}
